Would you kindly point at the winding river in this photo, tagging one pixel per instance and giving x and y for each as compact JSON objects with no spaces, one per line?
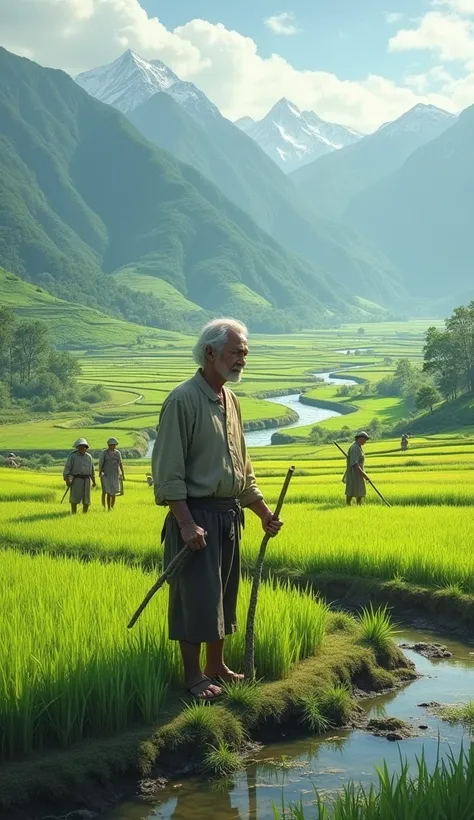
{"x":306,"y":414}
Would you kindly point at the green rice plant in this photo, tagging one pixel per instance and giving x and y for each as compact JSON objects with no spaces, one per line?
{"x":458,"y":713}
{"x":336,"y":704}
{"x":201,"y":725}
{"x":222,"y":761}
{"x":443,"y":794}
{"x":312,"y":714}
{"x":245,"y":697}
{"x":377,"y":630}
{"x":70,"y":669}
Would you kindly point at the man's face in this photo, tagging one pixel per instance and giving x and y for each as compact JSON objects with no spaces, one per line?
{"x":230,"y":361}
{"x":112,"y":447}
{"x":361,"y":440}
{"x":82,"y":449}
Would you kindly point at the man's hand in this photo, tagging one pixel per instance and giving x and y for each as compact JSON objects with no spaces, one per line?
{"x":193,"y":536}
{"x":93,"y":483}
{"x":69,"y":480}
{"x":271,"y":525}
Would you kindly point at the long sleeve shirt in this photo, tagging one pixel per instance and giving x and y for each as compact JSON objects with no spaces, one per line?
{"x":200,"y":449}
{"x":79,"y":465}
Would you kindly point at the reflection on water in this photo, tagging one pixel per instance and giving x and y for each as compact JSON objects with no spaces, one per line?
{"x":293,"y":769}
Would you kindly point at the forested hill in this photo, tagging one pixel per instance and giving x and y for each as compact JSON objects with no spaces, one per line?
{"x":84,"y":195}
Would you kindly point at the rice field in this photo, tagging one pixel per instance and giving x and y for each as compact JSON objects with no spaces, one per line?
{"x":70,"y":669}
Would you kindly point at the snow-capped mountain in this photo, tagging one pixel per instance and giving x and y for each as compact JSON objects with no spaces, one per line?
{"x":293,"y":138}
{"x":426,"y":119}
{"x":128,"y":81}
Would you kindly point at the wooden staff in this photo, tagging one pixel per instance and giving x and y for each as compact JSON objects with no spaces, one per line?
{"x":174,"y":568}
{"x":369,"y":480}
{"x":249,"y":662}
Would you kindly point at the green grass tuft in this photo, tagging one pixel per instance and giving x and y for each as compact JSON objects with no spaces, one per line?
{"x":377,"y":630}
{"x":222,"y":761}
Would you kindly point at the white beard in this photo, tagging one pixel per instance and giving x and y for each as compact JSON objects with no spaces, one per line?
{"x":234,"y":376}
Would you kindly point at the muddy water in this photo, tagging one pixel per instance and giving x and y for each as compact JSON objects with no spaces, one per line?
{"x":294,"y":769}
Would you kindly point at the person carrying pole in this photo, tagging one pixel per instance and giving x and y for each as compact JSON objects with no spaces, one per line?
{"x":355,"y":475}
{"x":111,"y":473}
{"x":79,"y":474}
{"x":202,"y":472}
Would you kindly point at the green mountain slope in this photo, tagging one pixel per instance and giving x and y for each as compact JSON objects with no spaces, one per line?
{"x":249,"y":178}
{"x":333,"y":181}
{"x":83,"y":195}
{"x":72,"y":325}
{"x":422,"y":215}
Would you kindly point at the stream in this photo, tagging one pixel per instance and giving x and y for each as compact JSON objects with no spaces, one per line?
{"x":306,"y":414}
{"x":294,"y":769}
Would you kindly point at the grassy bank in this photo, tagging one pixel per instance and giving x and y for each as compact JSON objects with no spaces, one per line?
{"x":314,"y":697}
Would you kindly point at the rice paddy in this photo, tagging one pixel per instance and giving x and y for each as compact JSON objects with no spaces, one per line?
{"x":71,"y":671}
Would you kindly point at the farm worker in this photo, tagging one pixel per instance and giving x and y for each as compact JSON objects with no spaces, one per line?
{"x":79,"y":475}
{"x":111,"y":471}
{"x":10,"y":461}
{"x":404,"y":442}
{"x":202,"y":472}
{"x":355,"y":476}
{"x":149,"y":480}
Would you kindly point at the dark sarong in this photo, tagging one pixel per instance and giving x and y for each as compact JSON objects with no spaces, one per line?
{"x":203,"y":598}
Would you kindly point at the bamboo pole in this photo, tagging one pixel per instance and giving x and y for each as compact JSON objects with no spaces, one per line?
{"x":249,"y":661}
{"x":174,"y":568}
{"x":369,"y":480}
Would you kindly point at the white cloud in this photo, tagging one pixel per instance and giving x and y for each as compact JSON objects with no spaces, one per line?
{"x":449,"y":35}
{"x":283,"y":24}
{"x":79,"y":34}
{"x":460,"y":6}
{"x":393,"y":17}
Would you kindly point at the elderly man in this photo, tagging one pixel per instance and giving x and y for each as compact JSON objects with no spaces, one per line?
{"x":111,"y":473}
{"x":202,"y":472}
{"x":355,"y":475}
{"x":79,"y":475}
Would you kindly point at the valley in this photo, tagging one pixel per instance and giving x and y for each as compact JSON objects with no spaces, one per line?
{"x":157,"y":174}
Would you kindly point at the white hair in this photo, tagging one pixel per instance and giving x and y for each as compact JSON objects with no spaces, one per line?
{"x":215,"y":335}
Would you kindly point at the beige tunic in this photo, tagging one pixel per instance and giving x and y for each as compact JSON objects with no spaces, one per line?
{"x":200,"y":450}
{"x":355,"y":482}
{"x":110,"y":463}
{"x":77,"y":465}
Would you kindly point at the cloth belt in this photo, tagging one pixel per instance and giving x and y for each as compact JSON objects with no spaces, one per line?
{"x":82,"y":476}
{"x":215,"y":504}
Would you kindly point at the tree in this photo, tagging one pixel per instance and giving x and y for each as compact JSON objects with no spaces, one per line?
{"x":361,"y":331}
{"x":30,"y":348}
{"x":426,"y":396}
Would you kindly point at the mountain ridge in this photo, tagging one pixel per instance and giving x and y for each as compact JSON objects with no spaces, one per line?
{"x":250,"y":179}
{"x":294,"y":138}
{"x":421,"y":214}
{"x":332,"y":181}
{"x":84,"y":195}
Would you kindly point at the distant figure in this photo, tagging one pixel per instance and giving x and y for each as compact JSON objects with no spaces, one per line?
{"x":10,"y":461}
{"x":79,"y":474}
{"x":111,"y":472}
{"x":404,"y":442}
{"x":149,"y":480}
{"x":355,"y":475}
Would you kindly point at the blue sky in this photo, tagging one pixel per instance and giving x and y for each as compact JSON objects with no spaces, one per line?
{"x":357,"y":62}
{"x":345,"y":37}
